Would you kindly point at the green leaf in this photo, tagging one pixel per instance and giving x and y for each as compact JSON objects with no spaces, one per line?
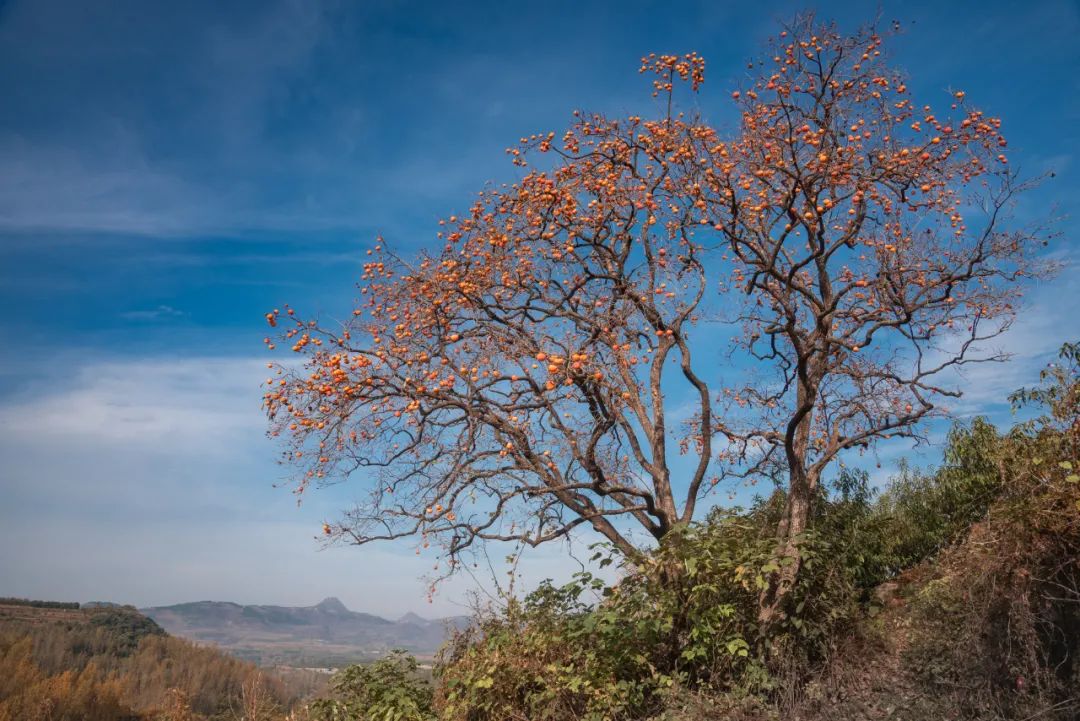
{"x":737,"y":647}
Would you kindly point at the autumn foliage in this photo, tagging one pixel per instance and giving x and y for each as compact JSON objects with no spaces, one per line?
{"x":114,"y":664}
{"x":547,"y":366}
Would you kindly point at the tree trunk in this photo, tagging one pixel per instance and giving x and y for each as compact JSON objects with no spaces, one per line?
{"x":797,"y":509}
{"x":791,"y":527}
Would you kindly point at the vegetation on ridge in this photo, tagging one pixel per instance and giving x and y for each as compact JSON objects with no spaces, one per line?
{"x":114,"y":664}
{"x":954,"y":593}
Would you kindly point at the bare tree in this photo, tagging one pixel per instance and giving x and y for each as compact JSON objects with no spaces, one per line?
{"x":256,"y":701}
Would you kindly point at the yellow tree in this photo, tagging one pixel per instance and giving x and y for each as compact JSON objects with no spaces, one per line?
{"x":541,"y":370}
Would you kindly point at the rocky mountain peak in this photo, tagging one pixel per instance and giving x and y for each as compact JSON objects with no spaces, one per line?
{"x":332,"y":604}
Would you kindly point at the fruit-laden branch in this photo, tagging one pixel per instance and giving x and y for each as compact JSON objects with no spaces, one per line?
{"x":513,"y":386}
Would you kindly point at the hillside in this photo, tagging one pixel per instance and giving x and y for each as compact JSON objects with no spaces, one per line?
{"x":119,"y":628}
{"x":326,"y":634}
{"x":108,"y":662}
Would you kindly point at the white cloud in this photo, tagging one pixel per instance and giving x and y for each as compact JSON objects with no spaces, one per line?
{"x":203,"y":403}
{"x":56,"y":187}
{"x":1047,"y":320}
{"x":150,"y":482}
{"x":160,"y":313}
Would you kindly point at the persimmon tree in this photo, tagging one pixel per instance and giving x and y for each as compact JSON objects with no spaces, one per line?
{"x":870,"y":242}
{"x":543,"y":369}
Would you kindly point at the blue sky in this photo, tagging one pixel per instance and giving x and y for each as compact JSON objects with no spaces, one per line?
{"x":171,"y":171}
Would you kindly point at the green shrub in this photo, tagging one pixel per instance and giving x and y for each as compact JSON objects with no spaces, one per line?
{"x":389,"y":689}
{"x":927,"y":512}
{"x":126,"y":626}
{"x":684,"y":618}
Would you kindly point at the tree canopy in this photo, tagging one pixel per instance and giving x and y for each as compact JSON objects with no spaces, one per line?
{"x":543,"y":368}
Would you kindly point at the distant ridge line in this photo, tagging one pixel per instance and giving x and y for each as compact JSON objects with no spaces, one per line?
{"x":270,"y":633}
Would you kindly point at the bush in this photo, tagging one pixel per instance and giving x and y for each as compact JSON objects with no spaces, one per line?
{"x":683,"y":622}
{"x":388,"y":690}
{"x":684,"y":618}
{"x":125,"y":626}
{"x":998,"y":632}
{"x":924,"y":513}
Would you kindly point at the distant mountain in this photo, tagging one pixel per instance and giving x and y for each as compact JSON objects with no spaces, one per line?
{"x":326,"y":634}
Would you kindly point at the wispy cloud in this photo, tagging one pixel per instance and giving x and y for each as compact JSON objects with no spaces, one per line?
{"x":1046,"y":320}
{"x":115,"y":165}
{"x":201,"y":403}
{"x":149,"y":481}
{"x":51,"y":187}
{"x":162,"y":312}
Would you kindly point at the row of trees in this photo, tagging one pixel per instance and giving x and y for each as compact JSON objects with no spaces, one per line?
{"x":9,"y":601}
{"x":554,"y":362}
